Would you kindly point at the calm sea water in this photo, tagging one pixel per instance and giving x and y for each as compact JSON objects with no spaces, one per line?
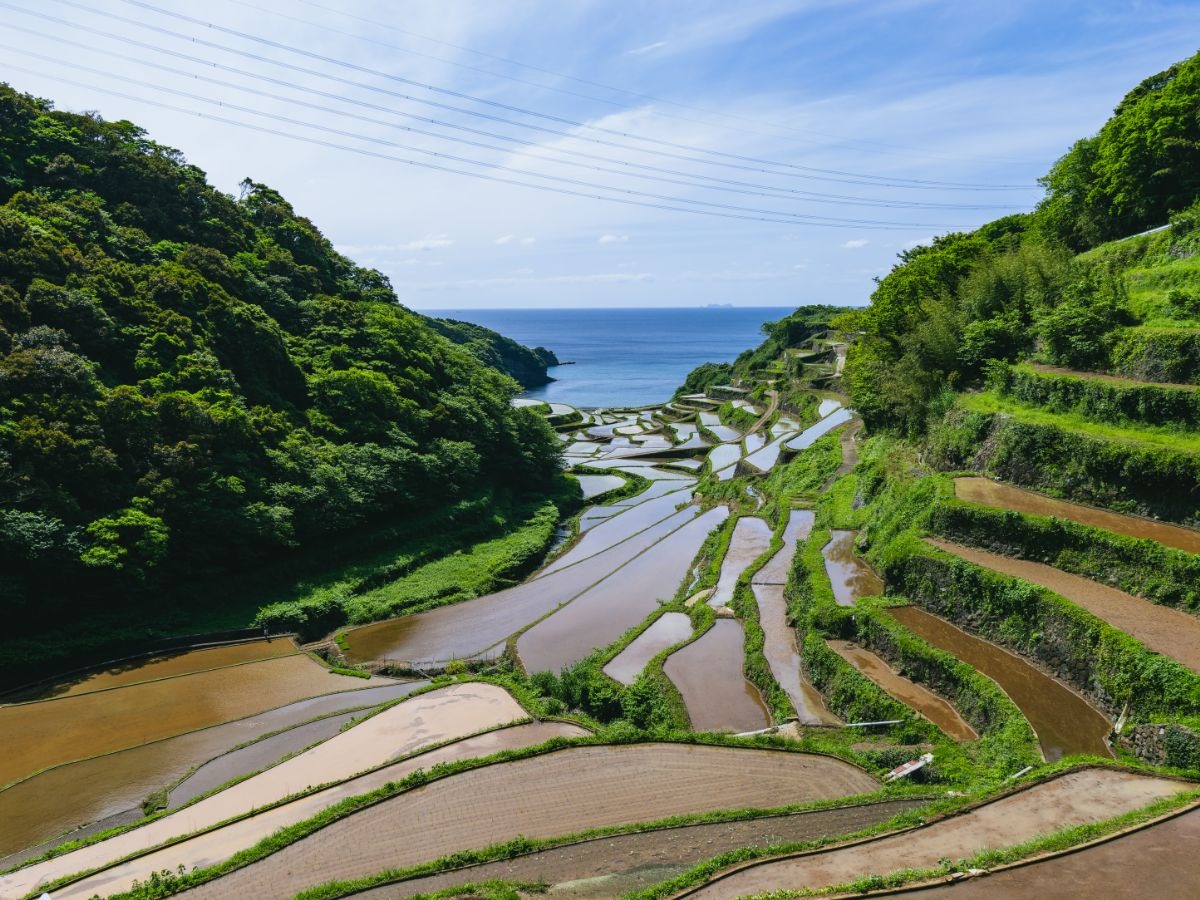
{"x":625,"y":357}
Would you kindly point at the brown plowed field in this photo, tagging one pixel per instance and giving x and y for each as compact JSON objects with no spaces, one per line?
{"x":1164,"y":630}
{"x":1076,"y":798}
{"x":611,"y":866}
{"x":557,"y":793}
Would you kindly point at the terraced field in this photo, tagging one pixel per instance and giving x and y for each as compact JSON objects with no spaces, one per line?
{"x":1073,"y":799}
{"x":554,"y":794}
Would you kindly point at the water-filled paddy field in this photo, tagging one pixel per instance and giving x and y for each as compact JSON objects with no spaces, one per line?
{"x":708,"y":674}
{"x":556,"y":793}
{"x":1065,"y":723}
{"x":750,"y":539}
{"x":668,"y":629}
{"x":849,"y":575}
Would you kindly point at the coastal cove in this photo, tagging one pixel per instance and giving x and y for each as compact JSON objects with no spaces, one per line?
{"x":624,"y":357}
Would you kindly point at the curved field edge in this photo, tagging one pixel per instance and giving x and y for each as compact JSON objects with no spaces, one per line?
{"x":419,"y":778}
{"x":937,"y":811}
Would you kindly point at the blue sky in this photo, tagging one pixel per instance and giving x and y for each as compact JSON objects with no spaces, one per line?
{"x":970,"y":93}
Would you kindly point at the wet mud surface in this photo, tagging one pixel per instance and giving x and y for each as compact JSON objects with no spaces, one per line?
{"x":1162,"y":629}
{"x":1005,"y":496}
{"x":557,"y":793}
{"x":936,"y":709}
{"x":850,"y":576}
{"x":783,"y":656}
{"x":1065,"y":723}
{"x":48,"y":804}
{"x":751,"y":538}
{"x":1073,"y":799}
{"x":708,"y":674}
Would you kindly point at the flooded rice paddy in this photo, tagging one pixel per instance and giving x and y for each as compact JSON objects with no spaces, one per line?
{"x":1076,"y":798}
{"x":166,"y":665}
{"x":667,"y":630}
{"x":754,"y":442}
{"x":779,"y":567}
{"x":90,"y":790}
{"x":60,"y":730}
{"x":469,"y":628}
{"x":764,"y":460}
{"x":708,"y":674}
{"x":813,"y":433}
{"x":751,"y":539}
{"x":724,"y":457}
{"x":850,"y":576}
{"x":827,"y":406}
{"x":607,"y":610}
{"x":783,"y":657}
{"x":1156,"y":860}
{"x":1162,"y":629}
{"x":441,"y":715}
{"x":1065,"y":723}
{"x":638,"y":517}
{"x":557,"y":793}
{"x":936,"y":709}
{"x":1004,"y":496}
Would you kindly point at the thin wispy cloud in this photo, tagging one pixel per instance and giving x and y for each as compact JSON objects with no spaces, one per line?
{"x":855,"y":244}
{"x":649,"y":48}
{"x":429,"y":242}
{"x":613,"y":239}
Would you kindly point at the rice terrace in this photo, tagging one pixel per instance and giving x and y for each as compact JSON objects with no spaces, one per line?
{"x":803,"y":501}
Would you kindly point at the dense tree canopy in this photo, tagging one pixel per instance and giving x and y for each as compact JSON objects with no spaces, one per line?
{"x":191,"y":382}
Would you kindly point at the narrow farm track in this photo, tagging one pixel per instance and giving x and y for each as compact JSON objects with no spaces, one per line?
{"x":1112,"y":379}
{"x":1090,"y":795}
{"x":50,"y":732}
{"x":557,"y":793}
{"x":1162,"y":629}
{"x":91,"y":790}
{"x":1156,"y":860}
{"x":445,"y":714}
{"x":1005,"y":496}
{"x":611,"y":866}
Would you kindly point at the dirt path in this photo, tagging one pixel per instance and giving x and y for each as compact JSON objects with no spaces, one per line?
{"x":1158,"y":860}
{"x":553,"y":794}
{"x":1076,"y":798}
{"x":1164,"y":630}
{"x":849,"y":443}
{"x":609,"y":867}
{"x":936,"y":709}
{"x":50,"y":732}
{"x":441,"y":715}
{"x":1005,"y":496}
{"x":772,"y":405}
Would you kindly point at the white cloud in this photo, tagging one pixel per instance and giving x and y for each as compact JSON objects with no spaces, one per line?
{"x":527,"y":241}
{"x":613,"y":239}
{"x":855,"y":244}
{"x":910,"y":245}
{"x":505,"y":239}
{"x":429,"y":242}
{"x":649,"y":48}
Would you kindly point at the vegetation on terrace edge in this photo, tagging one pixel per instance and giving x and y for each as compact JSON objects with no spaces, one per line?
{"x":193,"y":385}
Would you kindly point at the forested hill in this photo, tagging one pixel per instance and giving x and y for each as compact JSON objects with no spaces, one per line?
{"x":1046,"y":286}
{"x":192,"y":383}
{"x":527,"y":365}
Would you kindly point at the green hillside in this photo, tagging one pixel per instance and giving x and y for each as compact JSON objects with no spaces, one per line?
{"x":193,"y":384}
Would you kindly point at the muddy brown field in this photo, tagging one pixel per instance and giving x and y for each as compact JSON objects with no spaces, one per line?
{"x":1091,"y":795}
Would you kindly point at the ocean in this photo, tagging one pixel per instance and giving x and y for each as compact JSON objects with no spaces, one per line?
{"x":625,"y":357}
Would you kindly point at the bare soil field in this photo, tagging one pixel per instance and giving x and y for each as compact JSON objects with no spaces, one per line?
{"x":441,"y":715}
{"x":1157,"y":860}
{"x":89,"y":790}
{"x":1164,"y":630}
{"x":610,"y":866}
{"x":1090,"y":795}
{"x":50,"y":732}
{"x":556,"y":793}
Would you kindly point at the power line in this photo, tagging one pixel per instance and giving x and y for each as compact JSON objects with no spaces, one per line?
{"x":871,"y":145}
{"x":767,"y":217}
{"x":720,"y":184}
{"x":897,"y":182}
{"x":422,"y":100}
